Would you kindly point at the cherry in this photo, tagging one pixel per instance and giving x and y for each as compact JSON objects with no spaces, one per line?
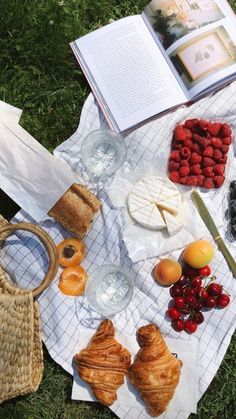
{"x":178,"y":325}
{"x":198,"y":317}
{"x":176,"y":291}
{"x":205,"y":271}
{"x":185,"y":310}
{"x":182,"y":281}
{"x":196,"y":282}
{"x":190,"y":326}
{"x":197,"y":291}
{"x":204,"y":294}
{"x":191,"y":301}
{"x":189,"y":291}
{"x":190,"y":272}
{"x":214,"y":289}
{"x":179,"y":302}
{"x":223,"y":300}
{"x":173,"y":313}
{"x":210,"y":302}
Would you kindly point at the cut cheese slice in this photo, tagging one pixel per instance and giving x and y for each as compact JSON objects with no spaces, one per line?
{"x":149,"y":216}
{"x":164,"y":193}
{"x":135,"y":203}
{"x":174,"y":223}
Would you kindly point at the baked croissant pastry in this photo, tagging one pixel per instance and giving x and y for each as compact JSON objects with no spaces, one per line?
{"x":104,"y":363}
{"x":155,"y":371}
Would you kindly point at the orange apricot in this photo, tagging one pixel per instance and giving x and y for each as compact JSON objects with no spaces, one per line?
{"x":167,"y":271}
{"x":70,"y":252}
{"x":198,"y":254}
{"x":72,"y":280}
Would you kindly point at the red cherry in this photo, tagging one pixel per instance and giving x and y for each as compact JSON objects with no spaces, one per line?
{"x":190,"y":272}
{"x":182,"y":281}
{"x":190,"y":326}
{"x":179,"y":302}
{"x":185,"y":310}
{"x":198,"y":317}
{"x":205,"y":271}
{"x":178,"y":325}
{"x":223,"y":300}
{"x":204,"y":294}
{"x":173,"y":313}
{"x":176,"y":291}
{"x":215,"y":289}
{"x":197,"y":291}
{"x":196,"y":282}
{"x":210,"y":302}
{"x":189,"y":291}
{"x":191,"y":301}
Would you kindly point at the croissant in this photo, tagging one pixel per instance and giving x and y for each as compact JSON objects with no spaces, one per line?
{"x":155,"y":371}
{"x":104,"y":363}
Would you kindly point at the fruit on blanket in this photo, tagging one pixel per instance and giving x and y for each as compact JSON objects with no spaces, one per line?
{"x":70,"y":252}
{"x":198,"y":254}
{"x":202,"y":146}
{"x":167,"y":271}
{"x":72,"y":280}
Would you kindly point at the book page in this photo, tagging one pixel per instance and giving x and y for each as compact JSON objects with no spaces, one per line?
{"x":127,"y":72}
{"x":198,"y":39}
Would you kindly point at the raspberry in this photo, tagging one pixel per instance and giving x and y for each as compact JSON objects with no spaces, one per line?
{"x":224,"y":148}
{"x":196,"y":137}
{"x":203,"y":142}
{"x":225,"y":131}
{"x":217,"y":154}
{"x":195,"y":147}
{"x":207,"y":162}
{"x":216,"y":142}
{"x":173,"y":166}
{"x":185,"y":152}
{"x":192,"y":181}
{"x":174,"y":177}
{"x":176,"y":145}
{"x":200,"y":179}
{"x":175,"y":155}
{"x":214,"y":128}
{"x":183,"y":180}
{"x":179,"y":133}
{"x":195,"y":169}
{"x":218,"y":180}
{"x":184,"y":163}
{"x":223,"y":160}
{"x":195,"y":158}
{"x":208,"y":183}
{"x":208,"y":152}
{"x":208,"y":171}
{"x":219,"y":169}
{"x":226,"y":140}
{"x":203,"y":124}
{"x":191,"y":123}
{"x":188,"y":144}
{"x":184,"y":171}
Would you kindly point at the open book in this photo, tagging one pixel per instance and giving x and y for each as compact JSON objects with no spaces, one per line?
{"x":173,"y":53}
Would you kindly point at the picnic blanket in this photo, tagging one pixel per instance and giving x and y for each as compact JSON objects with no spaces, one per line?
{"x":65,"y":318}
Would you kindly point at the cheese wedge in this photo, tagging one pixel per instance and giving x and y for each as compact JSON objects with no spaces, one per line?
{"x":155,"y":203}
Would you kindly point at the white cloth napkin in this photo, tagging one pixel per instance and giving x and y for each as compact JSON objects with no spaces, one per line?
{"x":29,"y":174}
{"x":128,"y":396}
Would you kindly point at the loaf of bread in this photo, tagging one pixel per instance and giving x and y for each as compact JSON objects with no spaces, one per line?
{"x":75,"y":210}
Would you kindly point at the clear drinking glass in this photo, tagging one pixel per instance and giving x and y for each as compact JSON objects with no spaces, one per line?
{"x":103,"y":152}
{"x":109,"y":290}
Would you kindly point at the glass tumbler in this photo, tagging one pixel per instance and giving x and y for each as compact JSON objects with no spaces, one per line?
{"x":103,"y":152}
{"x":109,"y":290}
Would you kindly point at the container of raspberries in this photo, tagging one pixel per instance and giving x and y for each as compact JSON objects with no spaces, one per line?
{"x":200,"y":153}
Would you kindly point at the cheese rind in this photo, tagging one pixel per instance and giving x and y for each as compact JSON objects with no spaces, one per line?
{"x":174,"y":223}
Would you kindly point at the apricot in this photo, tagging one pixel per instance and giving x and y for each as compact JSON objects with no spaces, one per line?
{"x":167,"y":271}
{"x":73,"y":280}
{"x":198,"y":254}
{"x":70,"y":252}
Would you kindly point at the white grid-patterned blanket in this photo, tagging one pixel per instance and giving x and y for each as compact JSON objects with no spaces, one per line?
{"x":63,"y":318}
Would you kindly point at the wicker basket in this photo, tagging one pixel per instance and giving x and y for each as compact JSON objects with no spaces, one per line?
{"x":21,"y":356}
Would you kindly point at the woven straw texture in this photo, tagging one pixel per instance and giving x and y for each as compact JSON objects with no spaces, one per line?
{"x":21,"y":356}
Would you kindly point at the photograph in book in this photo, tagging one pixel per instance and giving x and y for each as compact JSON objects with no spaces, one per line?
{"x":171,"y":20}
{"x":204,"y":55}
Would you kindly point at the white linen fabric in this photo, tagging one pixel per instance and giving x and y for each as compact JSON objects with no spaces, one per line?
{"x":65,"y":318}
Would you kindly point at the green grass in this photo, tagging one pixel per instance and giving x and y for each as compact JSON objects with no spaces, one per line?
{"x":40,"y":75}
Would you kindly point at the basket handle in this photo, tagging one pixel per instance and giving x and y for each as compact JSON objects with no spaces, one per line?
{"x":48,"y":244}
